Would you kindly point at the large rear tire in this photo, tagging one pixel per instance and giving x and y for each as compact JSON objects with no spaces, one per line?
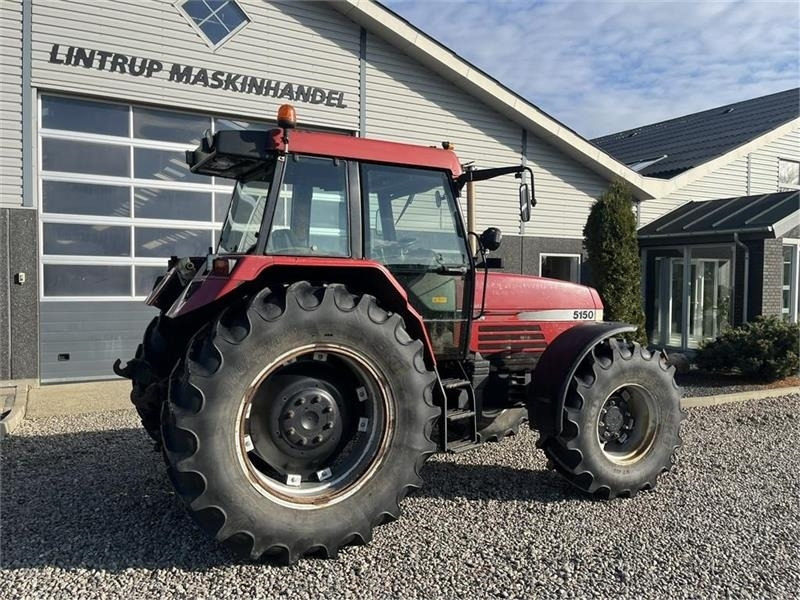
{"x":621,"y":422}
{"x":299,"y":421}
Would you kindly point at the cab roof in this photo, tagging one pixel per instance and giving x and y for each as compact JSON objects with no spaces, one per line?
{"x":234,"y":153}
{"x":370,"y":150}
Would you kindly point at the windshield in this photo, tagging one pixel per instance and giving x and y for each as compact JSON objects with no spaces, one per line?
{"x":246,"y":211}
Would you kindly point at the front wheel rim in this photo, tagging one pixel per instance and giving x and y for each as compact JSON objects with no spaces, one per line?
{"x":627,"y":424}
{"x":314,"y":425}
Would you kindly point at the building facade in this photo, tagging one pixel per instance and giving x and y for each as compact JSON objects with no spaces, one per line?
{"x":99,"y":101}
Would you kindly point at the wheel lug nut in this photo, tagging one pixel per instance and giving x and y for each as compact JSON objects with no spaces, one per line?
{"x":289,"y":414}
{"x":315,"y":399}
{"x":300,"y":402}
{"x":291,"y":431}
{"x":328,"y":426}
{"x":327,"y":409}
{"x":302,"y":442}
{"x":317,"y":439}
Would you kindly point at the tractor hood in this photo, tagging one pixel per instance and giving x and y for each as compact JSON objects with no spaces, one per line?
{"x":532,"y":298}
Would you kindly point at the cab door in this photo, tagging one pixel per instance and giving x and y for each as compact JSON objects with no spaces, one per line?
{"x":412,"y":225}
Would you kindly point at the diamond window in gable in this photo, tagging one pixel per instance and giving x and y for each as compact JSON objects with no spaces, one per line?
{"x":216,"y":20}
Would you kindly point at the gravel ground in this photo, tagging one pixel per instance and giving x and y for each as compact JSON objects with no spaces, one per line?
{"x":87,"y":512}
{"x":709,"y":384}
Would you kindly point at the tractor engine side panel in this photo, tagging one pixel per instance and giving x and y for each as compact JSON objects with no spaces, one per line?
{"x":524,"y":314}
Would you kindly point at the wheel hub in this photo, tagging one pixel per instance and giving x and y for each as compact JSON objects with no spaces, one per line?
{"x":309,"y":419}
{"x":616,"y":420}
{"x":297,"y":423}
{"x":627,"y":424}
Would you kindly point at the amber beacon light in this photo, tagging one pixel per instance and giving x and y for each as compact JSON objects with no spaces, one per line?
{"x":287,"y":117}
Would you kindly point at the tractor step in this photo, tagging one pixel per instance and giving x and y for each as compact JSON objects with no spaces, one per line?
{"x":455,"y":384}
{"x":462,"y":446}
{"x":459,"y":415}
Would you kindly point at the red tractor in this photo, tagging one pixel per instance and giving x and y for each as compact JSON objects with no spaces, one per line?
{"x":344,"y":330}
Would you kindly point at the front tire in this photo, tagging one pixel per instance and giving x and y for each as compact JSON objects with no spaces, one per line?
{"x":299,"y":421}
{"x":621,"y":422}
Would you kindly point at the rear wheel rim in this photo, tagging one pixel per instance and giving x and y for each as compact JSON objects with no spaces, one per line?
{"x":627,"y":424}
{"x":314,"y":425}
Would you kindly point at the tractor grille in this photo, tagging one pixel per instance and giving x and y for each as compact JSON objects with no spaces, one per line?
{"x":510,"y":339}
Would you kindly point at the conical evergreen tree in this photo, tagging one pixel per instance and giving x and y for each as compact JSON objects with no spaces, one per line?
{"x":613,"y":249}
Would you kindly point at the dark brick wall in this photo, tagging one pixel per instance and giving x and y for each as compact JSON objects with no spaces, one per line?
{"x":772,"y":277}
{"x":522,"y":254}
{"x":19,"y":303}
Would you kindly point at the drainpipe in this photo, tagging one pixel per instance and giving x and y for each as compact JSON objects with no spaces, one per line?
{"x":746,"y":274}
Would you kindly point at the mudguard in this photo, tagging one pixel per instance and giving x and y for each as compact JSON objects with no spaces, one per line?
{"x":251,"y":272}
{"x":554,"y":371}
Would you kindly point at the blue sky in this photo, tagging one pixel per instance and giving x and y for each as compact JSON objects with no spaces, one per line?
{"x":600,"y":67}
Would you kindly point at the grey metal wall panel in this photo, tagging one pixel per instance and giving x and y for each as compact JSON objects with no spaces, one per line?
{"x":299,"y":42}
{"x":94,"y":334}
{"x":10,"y":103}
{"x":408,"y":102}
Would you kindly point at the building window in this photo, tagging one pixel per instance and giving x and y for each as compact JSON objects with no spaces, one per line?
{"x":691,"y":293}
{"x":566,"y":267}
{"x":216,"y":20}
{"x":117,"y":198}
{"x":790,"y":283}
{"x":788,"y":175}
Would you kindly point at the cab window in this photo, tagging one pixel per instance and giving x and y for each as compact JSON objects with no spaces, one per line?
{"x":411,"y":219}
{"x":311,"y":213}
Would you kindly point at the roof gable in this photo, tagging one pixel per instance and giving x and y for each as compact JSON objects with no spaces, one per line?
{"x":401,"y":34}
{"x":683,"y":143}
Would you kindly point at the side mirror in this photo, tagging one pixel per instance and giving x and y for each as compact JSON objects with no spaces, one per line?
{"x":524,"y":202}
{"x":491,"y":238}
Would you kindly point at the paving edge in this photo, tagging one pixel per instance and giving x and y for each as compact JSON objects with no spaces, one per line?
{"x":700,"y":401}
{"x":12,"y":420}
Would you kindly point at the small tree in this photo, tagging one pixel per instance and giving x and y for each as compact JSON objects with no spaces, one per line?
{"x":613,"y":249}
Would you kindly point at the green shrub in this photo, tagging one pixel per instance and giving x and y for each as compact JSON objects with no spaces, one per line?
{"x":766,"y":348}
{"x":613,"y":249}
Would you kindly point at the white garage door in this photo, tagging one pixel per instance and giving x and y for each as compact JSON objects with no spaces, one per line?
{"x":117,"y":200}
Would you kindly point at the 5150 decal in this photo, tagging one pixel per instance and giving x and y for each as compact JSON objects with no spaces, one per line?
{"x":582,"y":314}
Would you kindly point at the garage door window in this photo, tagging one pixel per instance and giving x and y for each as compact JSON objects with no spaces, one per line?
{"x":117,"y":198}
